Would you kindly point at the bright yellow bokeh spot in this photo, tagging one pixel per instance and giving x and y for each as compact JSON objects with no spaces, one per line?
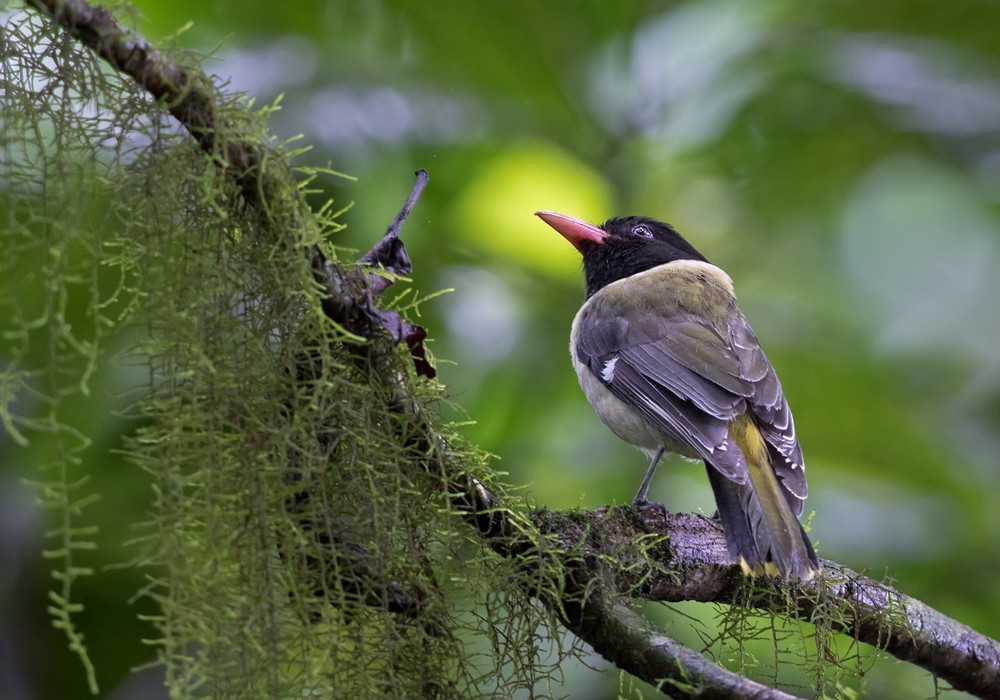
{"x":496,"y":211}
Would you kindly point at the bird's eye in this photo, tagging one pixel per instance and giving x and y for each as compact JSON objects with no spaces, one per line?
{"x":642,"y":230}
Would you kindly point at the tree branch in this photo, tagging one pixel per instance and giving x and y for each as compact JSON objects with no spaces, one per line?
{"x":190,"y":96}
{"x":693,"y":563}
{"x":619,"y":633}
{"x":187,"y":93}
{"x":600,"y":559}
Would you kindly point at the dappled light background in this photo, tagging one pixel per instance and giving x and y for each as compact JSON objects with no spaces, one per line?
{"x":841,"y":162}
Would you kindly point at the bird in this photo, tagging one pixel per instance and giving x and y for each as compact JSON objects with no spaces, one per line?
{"x":666,"y":358}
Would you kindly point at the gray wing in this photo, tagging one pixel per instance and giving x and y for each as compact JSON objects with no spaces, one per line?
{"x":690,"y":379}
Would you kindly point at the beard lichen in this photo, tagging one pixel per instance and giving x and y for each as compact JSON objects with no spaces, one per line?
{"x":763,"y":634}
{"x":298,"y":543}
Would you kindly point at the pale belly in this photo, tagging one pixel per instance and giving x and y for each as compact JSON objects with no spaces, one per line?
{"x":624,"y":421}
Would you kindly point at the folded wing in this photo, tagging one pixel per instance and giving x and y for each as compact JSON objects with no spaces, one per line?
{"x":691,"y":379}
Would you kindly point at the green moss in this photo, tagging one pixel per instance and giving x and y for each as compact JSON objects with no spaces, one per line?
{"x":299,"y":544}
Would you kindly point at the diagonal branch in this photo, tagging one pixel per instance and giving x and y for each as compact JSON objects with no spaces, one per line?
{"x":694,"y":564}
{"x":190,"y":96}
{"x":619,"y":633}
{"x":187,"y":93}
{"x":601,"y":562}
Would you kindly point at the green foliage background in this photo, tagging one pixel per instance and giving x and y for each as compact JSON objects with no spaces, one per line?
{"x":840,"y":161}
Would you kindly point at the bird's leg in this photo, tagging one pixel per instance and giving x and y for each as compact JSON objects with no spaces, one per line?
{"x":640,"y":499}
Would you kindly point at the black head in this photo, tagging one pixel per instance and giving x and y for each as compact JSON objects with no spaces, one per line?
{"x":621,"y":247}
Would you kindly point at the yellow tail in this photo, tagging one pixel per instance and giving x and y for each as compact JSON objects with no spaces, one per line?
{"x":761,"y":528}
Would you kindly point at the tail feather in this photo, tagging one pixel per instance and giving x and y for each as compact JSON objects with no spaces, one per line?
{"x":735,"y":521}
{"x":760,"y":525}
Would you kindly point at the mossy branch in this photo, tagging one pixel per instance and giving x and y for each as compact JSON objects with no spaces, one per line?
{"x":691,"y":563}
{"x":187,"y":93}
{"x":603,"y":558}
{"x":191,"y":97}
{"x":618,"y":632}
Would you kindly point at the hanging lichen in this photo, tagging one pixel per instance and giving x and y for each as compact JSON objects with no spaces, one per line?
{"x":298,"y":544}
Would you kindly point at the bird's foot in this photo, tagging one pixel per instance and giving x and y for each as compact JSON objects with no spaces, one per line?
{"x":651,"y":513}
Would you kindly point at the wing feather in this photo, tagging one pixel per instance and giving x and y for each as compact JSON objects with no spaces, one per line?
{"x":690,"y":378}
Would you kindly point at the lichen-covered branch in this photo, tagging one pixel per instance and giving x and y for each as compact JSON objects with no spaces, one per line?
{"x":600,"y":559}
{"x":191,"y":97}
{"x":622,"y":635}
{"x":692,"y":563}
{"x":187,"y":93}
